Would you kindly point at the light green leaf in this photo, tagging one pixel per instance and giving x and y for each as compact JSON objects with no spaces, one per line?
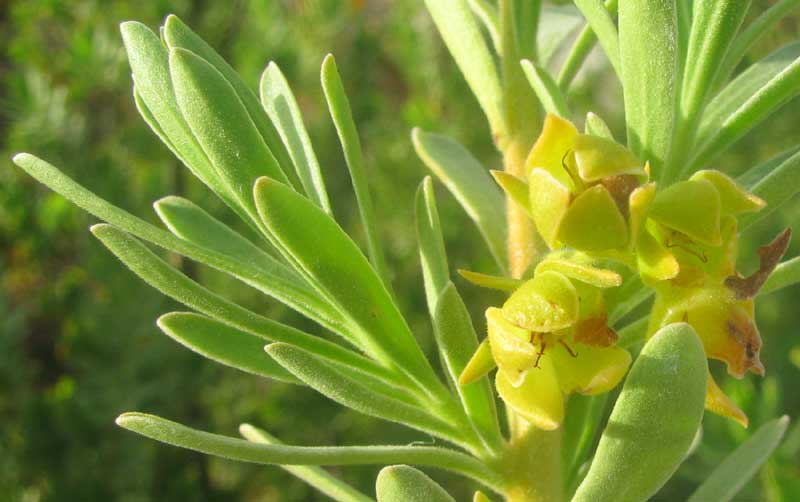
{"x":557,"y":23}
{"x":776,"y":188}
{"x":329,"y":259}
{"x":746,"y":101}
{"x":546,"y":89}
{"x":580,"y":51}
{"x":316,"y":477}
{"x":648,"y":55}
{"x":281,"y":107}
{"x":486,"y":12}
{"x":786,"y":274}
{"x":654,"y":419}
{"x":736,"y":470}
{"x":596,"y":126}
{"x":177,"y":35}
{"x":401,"y":483}
{"x":432,"y":254}
{"x":515,"y":188}
{"x":222,"y":125}
{"x":582,"y":417}
{"x":463,"y":38}
{"x":634,"y":333}
{"x":359,"y":391}
{"x":160,"y":275}
{"x":267,"y":280}
{"x":762,"y":25}
{"x":470,"y":184}
{"x":600,"y":21}
{"x":457,"y":342}
{"x":339,"y":108}
{"x":224,"y":344}
{"x":179,"y":435}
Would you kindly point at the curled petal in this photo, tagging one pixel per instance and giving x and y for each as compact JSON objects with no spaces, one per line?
{"x":554,"y":143}
{"x":589,"y":370}
{"x":511,"y":347}
{"x":538,"y":398}
{"x":598,"y":158}
{"x":692,"y":208}
{"x":546,"y":303}
{"x":593,"y":222}
{"x":718,"y":402}
{"x":579,"y":267}
{"x":734,"y":199}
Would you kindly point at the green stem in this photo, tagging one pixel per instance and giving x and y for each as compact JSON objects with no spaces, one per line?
{"x":533,"y":464}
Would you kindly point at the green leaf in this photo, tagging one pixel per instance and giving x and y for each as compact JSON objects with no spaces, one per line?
{"x":267,"y":280}
{"x":754,"y":31}
{"x":224,"y":344}
{"x":736,"y":470}
{"x":470,"y":184}
{"x":160,"y":275}
{"x":785,"y":274}
{"x":177,"y":35}
{"x":463,"y":38}
{"x":281,"y":107}
{"x":749,"y":178}
{"x":634,"y":333}
{"x":648,"y":55}
{"x":546,"y":89}
{"x":746,"y":101}
{"x":222,"y":125}
{"x":342,"y":116}
{"x":557,"y":23}
{"x":580,"y":51}
{"x":515,"y":188}
{"x":432,"y":253}
{"x":179,"y":435}
{"x":596,"y":126}
{"x":329,"y":259}
{"x":654,"y":419}
{"x":316,"y":477}
{"x":600,"y":21}
{"x":582,"y":417}
{"x":776,"y":188}
{"x":401,"y":483}
{"x":486,"y":12}
{"x":457,"y":342}
{"x":359,"y":391}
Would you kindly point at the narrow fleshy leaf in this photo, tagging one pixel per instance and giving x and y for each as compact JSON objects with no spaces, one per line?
{"x":648,"y":56}
{"x":755,"y":174}
{"x":737,"y":468}
{"x":432,"y":254}
{"x":557,"y":25}
{"x":316,"y":477}
{"x":177,"y":35}
{"x":546,"y":89}
{"x":175,"y":434}
{"x":358,"y":391}
{"x":342,"y":116}
{"x":786,"y":274}
{"x":652,"y":424}
{"x":457,"y":342}
{"x":222,"y":125}
{"x":465,"y":41}
{"x":224,"y":344}
{"x":329,"y":259}
{"x":487,"y":14}
{"x":596,"y":126}
{"x":581,"y":47}
{"x":470,"y":184}
{"x":491,"y":281}
{"x":267,"y":280}
{"x":160,"y":275}
{"x":776,"y":188}
{"x":748,"y":100}
{"x":401,"y":483}
{"x":600,"y":21}
{"x":281,"y":107}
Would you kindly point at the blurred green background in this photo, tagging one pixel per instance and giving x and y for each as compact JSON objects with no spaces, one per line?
{"x":78,"y":343}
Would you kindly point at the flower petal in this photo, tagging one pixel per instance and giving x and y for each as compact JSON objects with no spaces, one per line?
{"x":556,"y":140}
{"x":591,"y":370}
{"x":538,"y":398}
{"x":598,"y":158}
{"x":718,"y":402}
{"x":654,"y":261}
{"x":550,"y":199}
{"x":546,"y":303}
{"x":692,"y":208}
{"x":511,"y":347}
{"x":579,"y":267}
{"x":593,"y":222}
{"x":734,"y":199}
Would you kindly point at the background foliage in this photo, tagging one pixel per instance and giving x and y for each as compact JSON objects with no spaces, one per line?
{"x":78,"y":343}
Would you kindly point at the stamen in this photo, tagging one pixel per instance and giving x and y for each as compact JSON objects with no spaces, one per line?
{"x":569,"y":349}
{"x":539,"y":354}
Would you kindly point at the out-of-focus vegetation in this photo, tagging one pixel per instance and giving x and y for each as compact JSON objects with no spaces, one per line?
{"x":78,"y":344}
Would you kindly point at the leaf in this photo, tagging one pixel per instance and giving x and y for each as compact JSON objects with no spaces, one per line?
{"x":224,"y":344}
{"x":786,"y":274}
{"x":328,"y":258}
{"x":432,"y":253}
{"x":516,"y":188}
{"x":457,"y":341}
{"x":281,"y":107}
{"x":748,"y":100}
{"x":487,"y":14}
{"x":599,"y":20}
{"x":648,"y":55}
{"x":222,"y":125}
{"x":401,"y":483}
{"x":160,"y":275}
{"x":316,"y":477}
{"x":654,"y":419}
{"x":736,"y":469}
{"x":179,"y":435}
{"x":177,"y":35}
{"x":580,"y":50}
{"x":557,"y":23}
{"x":546,"y":89}
{"x":339,"y":108}
{"x":749,"y":178}
{"x":775,"y":188}
{"x":463,"y":38}
{"x":360,"y":392}
{"x":470,"y":184}
{"x":266,"y":280}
